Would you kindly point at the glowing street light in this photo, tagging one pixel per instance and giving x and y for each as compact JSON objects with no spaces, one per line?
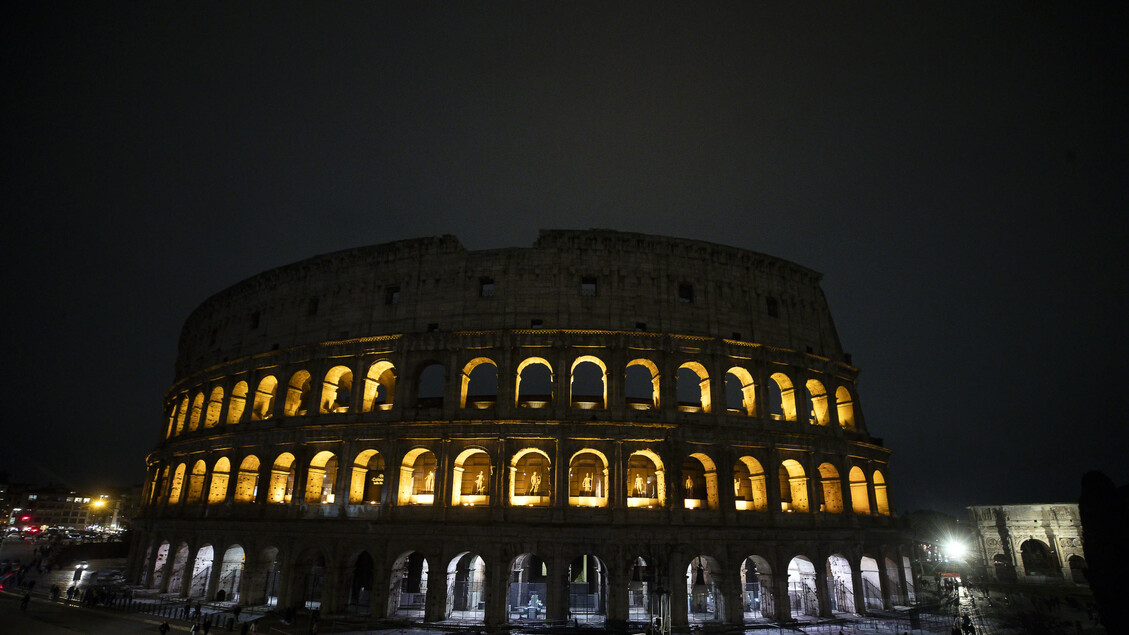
{"x":955,"y":549}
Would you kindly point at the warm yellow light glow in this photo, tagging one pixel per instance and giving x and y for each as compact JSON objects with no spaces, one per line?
{"x":97,"y":503}
{"x":955,"y":549}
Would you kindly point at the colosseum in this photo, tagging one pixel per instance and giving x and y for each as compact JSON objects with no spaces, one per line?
{"x":605,"y":428}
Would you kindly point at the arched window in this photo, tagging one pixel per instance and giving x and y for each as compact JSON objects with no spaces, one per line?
{"x":749,"y":485}
{"x":740,"y":392}
{"x":176,"y":486}
{"x":793,"y":487}
{"x":860,"y":499}
{"x":247,"y":481}
{"x":479,"y":384}
{"x":830,"y":490}
{"x":534,"y":383}
{"x":819,"y":414}
{"x":298,"y":394}
{"x":641,"y":384}
{"x":171,"y":428}
{"x":699,"y":482}
{"x":217,"y":493}
{"x":418,"y":478}
{"x":431,"y":382}
{"x":531,"y":480}
{"x":588,"y":479}
{"x":880,"y":500}
{"x":197,"y":408}
{"x":693,"y":388}
{"x":237,"y":403}
{"x":845,"y":407}
{"x":196,"y":482}
{"x":470,"y":478}
{"x":337,"y":390}
{"x":181,"y":415}
{"x":281,"y":486}
{"x":366,"y":486}
{"x":781,"y":398}
{"x":215,"y":404}
{"x":380,"y":386}
{"x":321,"y":479}
{"x":646,"y":480}
{"x":588,"y":383}
{"x":263,"y":408}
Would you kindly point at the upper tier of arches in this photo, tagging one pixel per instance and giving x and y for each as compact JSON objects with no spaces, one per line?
{"x":522,"y":382}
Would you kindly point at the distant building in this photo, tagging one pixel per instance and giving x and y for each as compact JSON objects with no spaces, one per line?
{"x":60,"y":507}
{"x":1030,"y":544}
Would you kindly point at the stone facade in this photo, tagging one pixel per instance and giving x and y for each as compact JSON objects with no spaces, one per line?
{"x":1029,"y":544}
{"x":576,"y":429}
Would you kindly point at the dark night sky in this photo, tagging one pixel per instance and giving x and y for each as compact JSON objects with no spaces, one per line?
{"x":958,"y":172}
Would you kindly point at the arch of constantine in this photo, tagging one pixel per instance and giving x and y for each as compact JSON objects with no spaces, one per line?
{"x":603,"y":427}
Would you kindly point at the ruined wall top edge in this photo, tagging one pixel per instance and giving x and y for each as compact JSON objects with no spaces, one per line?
{"x":594,"y":279}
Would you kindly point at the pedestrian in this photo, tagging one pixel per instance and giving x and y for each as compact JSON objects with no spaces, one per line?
{"x":243,"y":629}
{"x":24,"y":602}
{"x":164,"y":627}
{"x":195,"y":628}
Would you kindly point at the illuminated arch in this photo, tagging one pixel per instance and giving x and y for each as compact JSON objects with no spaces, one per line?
{"x":702,"y":390}
{"x":470,"y":478}
{"x":881,"y":502}
{"x":237,"y":403}
{"x":530,"y":474}
{"x":860,"y":499}
{"x":782,"y":398}
{"x":845,"y":407}
{"x":366,"y":485}
{"x":478,"y":398}
{"x":418,"y":478}
{"x":196,"y":482}
{"x":646,"y":480}
{"x":181,"y":414}
{"x":247,"y":480}
{"x":321,"y":479}
{"x":588,"y":396}
{"x":221,"y":473}
{"x":750,"y":485}
{"x":171,"y":429}
{"x":176,"y":485}
{"x":297,"y":394}
{"x":380,"y":386}
{"x":263,"y":407}
{"x":830,"y":489}
{"x":533,"y":400}
{"x":588,"y":479}
{"x":337,"y":390}
{"x":642,"y":393}
{"x":699,"y":476}
{"x":793,"y":487}
{"x":215,"y":404}
{"x":197,"y":409}
{"x":280,"y":489}
{"x":744,"y":387}
{"x":819,"y":414}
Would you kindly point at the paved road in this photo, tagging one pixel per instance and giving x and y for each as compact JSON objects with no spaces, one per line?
{"x":49,"y":618}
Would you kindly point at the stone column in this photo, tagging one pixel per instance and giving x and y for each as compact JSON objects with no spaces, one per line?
{"x":214,"y":575}
{"x":679,"y":611}
{"x":556,"y":589}
{"x":884,"y":581}
{"x":332,"y":588}
{"x":434,"y":609}
{"x":821,"y":590}
{"x":617,"y":609}
{"x":732,"y":593}
{"x":858,"y":587}
{"x":783,"y":603}
{"x":497,"y":577}
{"x":378,"y":588}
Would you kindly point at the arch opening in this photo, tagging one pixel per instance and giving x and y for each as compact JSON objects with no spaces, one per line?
{"x":587,"y":383}
{"x":802,"y":596}
{"x":703,"y":596}
{"x":366,"y":484}
{"x":479,"y":384}
{"x":750,"y":487}
{"x":530,"y":479}
{"x":840,"y":588}
{"x":466,"y":589}
{"x":646,"y":480}
{"x":407,"y":588}
{"x":321,"y":478}
{"x":380,"y":387}
{"x":757,"y":599}
{"x":641,"y":384}
{"x":693,"y":388}
{"x":470,"y":478}
{"x":740,"y":392}
{"x":534,"y":383}
{"x":418,"y":478}
{"x":793,"y":487}
{"x":588,"y":590}
{"x":526,"y":590}
{"x":337,"y":390}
